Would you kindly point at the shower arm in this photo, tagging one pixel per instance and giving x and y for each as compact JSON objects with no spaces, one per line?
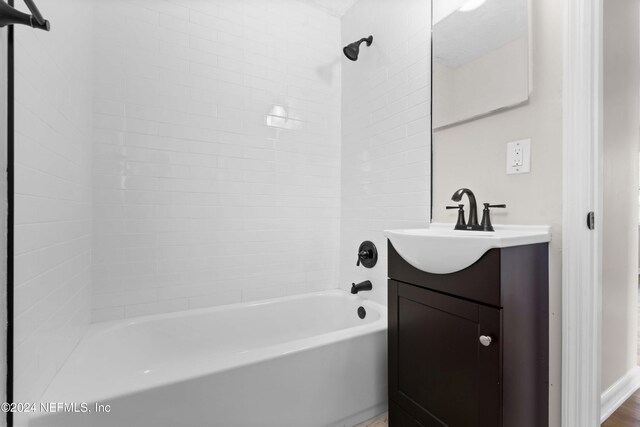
{"x":10,"y":16}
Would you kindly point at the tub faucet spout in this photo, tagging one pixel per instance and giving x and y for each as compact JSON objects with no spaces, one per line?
{"x":362,"y":286}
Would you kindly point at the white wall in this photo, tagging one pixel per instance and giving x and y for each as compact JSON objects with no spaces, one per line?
{"x":473,"y":155}
{"x":217,"y":153}
{"x":52,"y":193}
{"x":385,"y":131}
{"x":620,"y":175}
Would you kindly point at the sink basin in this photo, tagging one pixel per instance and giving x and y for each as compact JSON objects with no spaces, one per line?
{"x":440,"y":249}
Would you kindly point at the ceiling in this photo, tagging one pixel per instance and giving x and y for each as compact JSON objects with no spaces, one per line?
{"x":333,"y":7}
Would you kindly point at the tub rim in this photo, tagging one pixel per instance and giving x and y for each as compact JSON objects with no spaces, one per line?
{"x":228,"y":362}
{"x":111,"y":325}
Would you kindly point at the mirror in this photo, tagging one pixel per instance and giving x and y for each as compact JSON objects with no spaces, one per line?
{"x":480,"y":58}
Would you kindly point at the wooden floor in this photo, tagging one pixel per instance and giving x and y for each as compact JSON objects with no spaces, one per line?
{"x":628,"y":415}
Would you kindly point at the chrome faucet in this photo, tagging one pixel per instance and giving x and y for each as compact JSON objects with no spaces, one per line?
{"x":472,"y":223}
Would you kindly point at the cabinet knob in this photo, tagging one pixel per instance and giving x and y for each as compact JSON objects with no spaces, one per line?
{"x":485,"y":340}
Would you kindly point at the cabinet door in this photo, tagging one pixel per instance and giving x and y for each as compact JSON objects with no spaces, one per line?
{"x":439,"y":371}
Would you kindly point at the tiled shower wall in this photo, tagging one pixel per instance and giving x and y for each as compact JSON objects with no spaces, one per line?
{"x":386,"y":130}
{"x":52,"y":193}
{"x":216,"y":155}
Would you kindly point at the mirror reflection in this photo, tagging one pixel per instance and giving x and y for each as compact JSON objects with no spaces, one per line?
{"x":480,"y":58}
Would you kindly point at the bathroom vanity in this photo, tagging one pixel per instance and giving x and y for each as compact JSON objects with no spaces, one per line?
{"x":468,"y":347}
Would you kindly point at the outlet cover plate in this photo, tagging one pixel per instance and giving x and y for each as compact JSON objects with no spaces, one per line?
{"x":519,"y":157}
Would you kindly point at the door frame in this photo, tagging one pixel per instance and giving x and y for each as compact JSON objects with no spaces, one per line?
{"x":582,"y":193}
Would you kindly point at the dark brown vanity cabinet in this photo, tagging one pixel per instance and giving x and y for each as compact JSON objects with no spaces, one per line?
{"x":470,"y":348}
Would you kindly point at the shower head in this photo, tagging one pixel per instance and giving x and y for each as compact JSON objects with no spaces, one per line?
{"x":352,"y":50}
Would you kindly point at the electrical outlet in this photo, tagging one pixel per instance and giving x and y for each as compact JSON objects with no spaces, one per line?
{"x":519,"y":157}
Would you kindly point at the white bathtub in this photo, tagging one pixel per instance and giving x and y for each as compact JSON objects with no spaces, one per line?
{"x":297,"y":361}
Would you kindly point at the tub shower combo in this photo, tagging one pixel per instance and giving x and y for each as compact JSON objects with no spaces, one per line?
{"x":308,"y":359}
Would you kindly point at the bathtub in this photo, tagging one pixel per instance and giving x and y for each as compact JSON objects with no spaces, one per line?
{"x":306,"y":360}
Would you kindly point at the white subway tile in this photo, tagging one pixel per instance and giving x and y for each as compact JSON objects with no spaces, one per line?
{"x":53,"y":191}
{"x":385,"y":133}
{"x":107,"y":314}
{"x":147,"y":309}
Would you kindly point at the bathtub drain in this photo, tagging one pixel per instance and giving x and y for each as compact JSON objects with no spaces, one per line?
{"x":362,"y":313}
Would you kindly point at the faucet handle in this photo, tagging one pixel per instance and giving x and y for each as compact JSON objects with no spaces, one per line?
{"x":363,"y":255}
{"x":485,"y":224}
{"x":461,"y":222}
{"x":367,"y":254}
